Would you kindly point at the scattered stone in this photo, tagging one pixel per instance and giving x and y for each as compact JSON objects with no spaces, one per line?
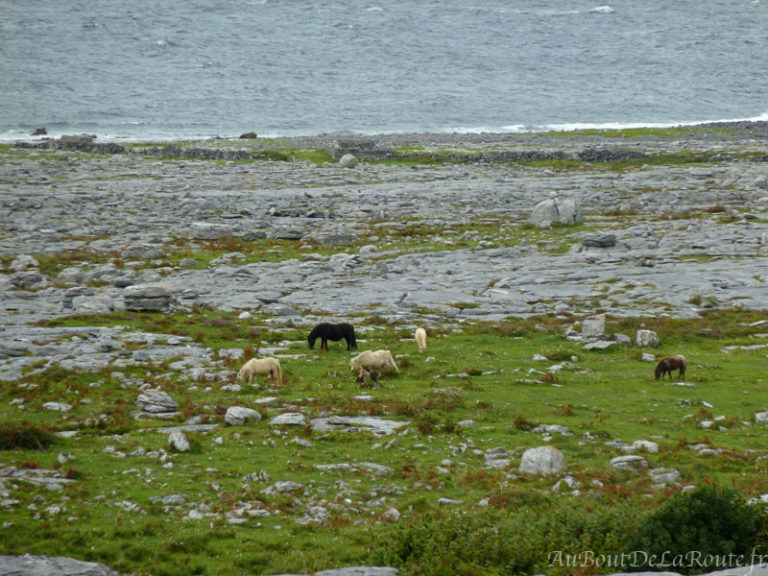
{"x":599,"y":240}
{"x":565,"y":211}
{"x":51,"y":566}
{"x":289,"y":419}
{"x":542,"y":460}
{"x":147,"y":298}
{"x":593,"y":328}
{"x":664,"y":475}
{"x":178,"y":441}
{"x":239,"y":415}
{"x":348,"y":161}
{"x":377,"y":426}
{"x":631,"y":462}
{"x":646,"y":339}
{"x":57,"y":406}
{"x":157,"y":403}
{"x":391,"y":515}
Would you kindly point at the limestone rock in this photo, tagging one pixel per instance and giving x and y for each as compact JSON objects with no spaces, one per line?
{"x":239,"y":415}
{"x":51,"y":566}
{"x":156,"y":401}
{"x":599,"y":240}
{"x":147,"y":298}
{"x":542,"y":460}
{"x":593,"y":327}
{"x":289,"y":419}
{"x":348,"y":161}
{"x":646,"y":339}
{"x":178,"y":441}
{"x":565,"y":211}
{"x":631,"y":462}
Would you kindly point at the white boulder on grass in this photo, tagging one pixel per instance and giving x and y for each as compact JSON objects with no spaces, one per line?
{"x":239,"y":415}
{"x":542,"y":460}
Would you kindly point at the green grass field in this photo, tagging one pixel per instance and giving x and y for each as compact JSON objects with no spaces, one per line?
{"x":224,"y":520}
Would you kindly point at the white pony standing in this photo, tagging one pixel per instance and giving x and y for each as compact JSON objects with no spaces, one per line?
{"x":421,"y":339}
{"x":268,"y":367}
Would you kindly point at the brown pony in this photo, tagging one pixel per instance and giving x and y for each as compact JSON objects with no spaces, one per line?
{"x":669,"y":363}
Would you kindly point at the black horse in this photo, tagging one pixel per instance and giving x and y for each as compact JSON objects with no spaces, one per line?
{"x":335,"y":332}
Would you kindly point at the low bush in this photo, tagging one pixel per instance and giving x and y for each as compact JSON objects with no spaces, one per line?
{"x":696,"y":529}
{"x":25,"y":436}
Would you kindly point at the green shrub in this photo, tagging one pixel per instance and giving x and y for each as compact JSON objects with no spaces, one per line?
{"x":510,"y":538}
{"x":25,"y":436}
{"x":695,"y":529}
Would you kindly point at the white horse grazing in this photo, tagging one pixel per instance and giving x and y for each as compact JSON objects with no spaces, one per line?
{"x":373,"y":360}
{"x":421,"y":339}
{"x":260,"y":367}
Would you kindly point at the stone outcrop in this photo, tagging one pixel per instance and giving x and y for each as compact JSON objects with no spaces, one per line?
{"x":147,"y":298}
{"x":51,"y":566}
{"x":542,"y":460}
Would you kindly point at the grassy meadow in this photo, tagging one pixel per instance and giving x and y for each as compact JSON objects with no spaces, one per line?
{"x":483,"y":520}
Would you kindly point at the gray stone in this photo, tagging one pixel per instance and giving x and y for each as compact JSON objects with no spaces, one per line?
{"x":210,"y":231}
{"x":377,"y":426}
{"x":239,"y":415}
{"x":147,"y":298}
{"x":542,"y":460}
{"x":178,"y":441}
{"x":631,"y":462}
{"x":51,"y":566}
{"x":593,"y":327}
{"x":289,"y":419}
{"x":599,"y":240}
{"x":75,"y":292}
{"x":156,"y":401}
{"x":24,"y":262}
{"x":348,"y":161}
{"x":143,"y":252}
{"x":566,"y":211}
{"x":646,"y":339}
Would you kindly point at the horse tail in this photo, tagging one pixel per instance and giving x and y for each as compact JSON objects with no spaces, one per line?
{"x":394,"y":364}
{"x":278,"y":372}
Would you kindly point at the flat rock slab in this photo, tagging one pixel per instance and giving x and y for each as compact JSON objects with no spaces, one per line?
{"x":378,"y":426}
{"x":51,"y":566}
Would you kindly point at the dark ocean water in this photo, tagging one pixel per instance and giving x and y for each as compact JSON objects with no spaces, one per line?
{"x":138,"y":69}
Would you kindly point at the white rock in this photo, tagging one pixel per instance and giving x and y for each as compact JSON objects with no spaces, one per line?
{"x":391,"y":515}
{"x":632,"y":463}
{"x":289,"y":419}
{"x":542,"y":460}
{"x":238,"y":415}
{"x":646,"y":339}
{"x":348,"y":161}
{"x":178,"y":441}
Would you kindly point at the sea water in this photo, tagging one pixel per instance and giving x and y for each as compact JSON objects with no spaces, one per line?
{"x":143,"y":69}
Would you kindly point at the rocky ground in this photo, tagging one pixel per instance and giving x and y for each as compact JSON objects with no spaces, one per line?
{"x":679,"y":236}
{"x":670,"y":238}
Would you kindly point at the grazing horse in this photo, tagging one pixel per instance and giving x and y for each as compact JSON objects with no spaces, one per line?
{"x":335,"y":332}
{"x":373,"y":360}
{"x":260,"y":367}
{"x":669,"y":363}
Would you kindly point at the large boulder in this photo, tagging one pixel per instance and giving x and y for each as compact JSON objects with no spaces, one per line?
{"x":147,"y":298}
{"x":646,"y":339}
{"x":51,"y":566}
{"x":566,"y":211}
{"x":239,"y":415}
{"x":542,"y":460}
